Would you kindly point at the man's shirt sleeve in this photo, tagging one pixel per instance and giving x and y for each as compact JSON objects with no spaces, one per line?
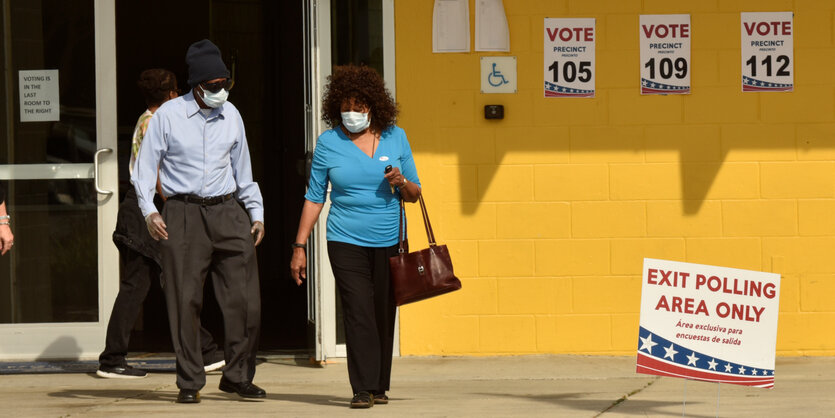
{"x":248,"y":190}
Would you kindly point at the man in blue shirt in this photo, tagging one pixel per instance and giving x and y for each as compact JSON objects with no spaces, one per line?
{"x":199,"y":145}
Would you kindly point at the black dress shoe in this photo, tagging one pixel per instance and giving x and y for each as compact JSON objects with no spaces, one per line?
{"x":243,"y":389}
{"x":188,"y":396}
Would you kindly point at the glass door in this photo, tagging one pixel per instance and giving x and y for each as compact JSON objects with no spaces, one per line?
{"x":357,"y":32}
{"x":58,"y":166}
{"x":312,"y":128}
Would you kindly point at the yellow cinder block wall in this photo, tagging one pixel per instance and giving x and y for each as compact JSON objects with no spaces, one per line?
{"x":550,"y":212}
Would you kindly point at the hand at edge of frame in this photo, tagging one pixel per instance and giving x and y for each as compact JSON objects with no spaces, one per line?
{"x":257,"y":231}
{"x":298,"y":266}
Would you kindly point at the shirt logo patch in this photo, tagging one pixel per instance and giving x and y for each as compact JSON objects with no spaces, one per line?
{"x":384,"y":158}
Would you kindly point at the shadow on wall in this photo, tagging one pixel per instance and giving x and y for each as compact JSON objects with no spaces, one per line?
{"x":65,"y":348}
{"x":697,"y":138}
{"x":697,"y":154}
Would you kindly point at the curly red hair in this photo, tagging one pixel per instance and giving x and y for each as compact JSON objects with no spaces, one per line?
{"x":366,"y":87}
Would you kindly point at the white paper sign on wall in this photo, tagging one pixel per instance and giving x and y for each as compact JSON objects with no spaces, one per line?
{"x":39,"y":96}
{"x":491,"y":30}
{"x":665,"y":54}
{"x":498,"y":74}
{"x":569,"y":57}
{"x":451,"y":26}
{"x":708,"y":323}
{"x":767,"y":51}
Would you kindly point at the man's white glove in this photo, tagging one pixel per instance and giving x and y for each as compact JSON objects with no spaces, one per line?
{"x":257,"y":231}
{"x":156,"y":226}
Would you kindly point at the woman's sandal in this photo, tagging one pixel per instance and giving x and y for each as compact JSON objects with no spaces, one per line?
{"x":381,"y":398}
{"x":362,"y":400}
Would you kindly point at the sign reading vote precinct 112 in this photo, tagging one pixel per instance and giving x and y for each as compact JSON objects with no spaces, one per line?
{"x":767,"y":51}
{"x":708,"y":323}
{"x":665,"y":54}
{"x":569,"y":57}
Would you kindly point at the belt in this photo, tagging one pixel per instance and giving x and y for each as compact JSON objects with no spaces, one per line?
{"x":203,"y":201}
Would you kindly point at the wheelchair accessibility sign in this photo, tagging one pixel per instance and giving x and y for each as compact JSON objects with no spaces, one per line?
{"x":498,"y":74}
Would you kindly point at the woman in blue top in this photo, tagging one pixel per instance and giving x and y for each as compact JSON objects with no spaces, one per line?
{"x":362,"y":223}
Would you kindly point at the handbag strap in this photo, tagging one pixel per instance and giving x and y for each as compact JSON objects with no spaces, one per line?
{"x":401,"y":232}
{"x":401,"y":248}
{"x":430,"y":235}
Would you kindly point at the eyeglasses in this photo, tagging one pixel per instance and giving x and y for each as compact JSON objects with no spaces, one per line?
{"x":216,"y":86}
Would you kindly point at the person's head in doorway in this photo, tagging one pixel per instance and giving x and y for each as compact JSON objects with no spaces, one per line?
{"x":356,"y":98}
{"x":157,"y":86}
{"x":207,"y":74}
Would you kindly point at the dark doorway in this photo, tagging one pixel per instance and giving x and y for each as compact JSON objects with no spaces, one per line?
{"x":262,"y":44}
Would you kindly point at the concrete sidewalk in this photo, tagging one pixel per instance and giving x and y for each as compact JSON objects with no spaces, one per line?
{"x":554,"y":386}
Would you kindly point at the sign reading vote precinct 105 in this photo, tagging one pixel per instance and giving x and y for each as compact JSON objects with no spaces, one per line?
{"x":767,"y":51}
{"x":709,"y":323}
{"x":569,"y":57}
{"x":665,"y":54}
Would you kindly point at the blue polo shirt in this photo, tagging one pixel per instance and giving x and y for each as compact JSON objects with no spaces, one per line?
{"x":363,"y":209}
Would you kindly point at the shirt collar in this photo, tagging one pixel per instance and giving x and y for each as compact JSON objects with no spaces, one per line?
{"x":192,"y":108}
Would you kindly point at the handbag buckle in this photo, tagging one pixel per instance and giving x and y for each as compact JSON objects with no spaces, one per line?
{"x":421,"y":270}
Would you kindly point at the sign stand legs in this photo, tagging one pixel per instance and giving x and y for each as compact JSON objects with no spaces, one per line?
{"x":684,"y":400}
{"x":718,"y":392}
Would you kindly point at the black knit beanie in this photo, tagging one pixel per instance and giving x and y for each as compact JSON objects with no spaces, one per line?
{"x":204,"y":63}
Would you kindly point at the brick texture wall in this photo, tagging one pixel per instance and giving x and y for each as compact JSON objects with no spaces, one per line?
{"x":550,"y":212}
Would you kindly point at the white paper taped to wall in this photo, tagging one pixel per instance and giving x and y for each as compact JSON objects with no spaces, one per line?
{"x":491,"y":31}
{"x":451,"y":26}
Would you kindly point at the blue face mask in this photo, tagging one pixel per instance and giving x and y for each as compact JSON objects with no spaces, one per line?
{"x":355,"y":122}
{"x":214,"y":100}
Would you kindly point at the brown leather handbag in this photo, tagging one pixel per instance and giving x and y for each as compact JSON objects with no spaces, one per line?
{"x":421,"y":274}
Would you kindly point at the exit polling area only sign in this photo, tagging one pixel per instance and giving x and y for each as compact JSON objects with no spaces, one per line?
{"x":708,"y":323}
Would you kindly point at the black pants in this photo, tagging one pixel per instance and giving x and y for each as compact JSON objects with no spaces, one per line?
{"x":202,"y":239}
{"x":362,"y":275}
{"x":137,"y":273}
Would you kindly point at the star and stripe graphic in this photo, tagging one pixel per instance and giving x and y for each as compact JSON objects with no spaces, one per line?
{"x":654,"y":87}
{"x":752,"y":84}
{"x":660,"y":356}
{"x":554,"y":90}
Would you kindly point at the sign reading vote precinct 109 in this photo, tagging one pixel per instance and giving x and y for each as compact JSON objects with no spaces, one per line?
{"x":767,"y":51}
{"x":665,"y":54}
{"x":569,"y":57}
{"x":708,"y":323}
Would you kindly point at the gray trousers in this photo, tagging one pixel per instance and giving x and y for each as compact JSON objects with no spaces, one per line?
{"x":202,"y":239}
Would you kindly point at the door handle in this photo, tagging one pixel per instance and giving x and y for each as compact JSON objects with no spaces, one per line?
{"x":99,"y":190}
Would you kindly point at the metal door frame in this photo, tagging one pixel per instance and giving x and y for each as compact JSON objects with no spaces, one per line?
{"x":321,"y":287}
{"x":81,"y":340}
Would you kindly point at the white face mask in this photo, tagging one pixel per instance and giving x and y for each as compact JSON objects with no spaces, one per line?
{"x":214,"y":100}
{"x":355,"y":121}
